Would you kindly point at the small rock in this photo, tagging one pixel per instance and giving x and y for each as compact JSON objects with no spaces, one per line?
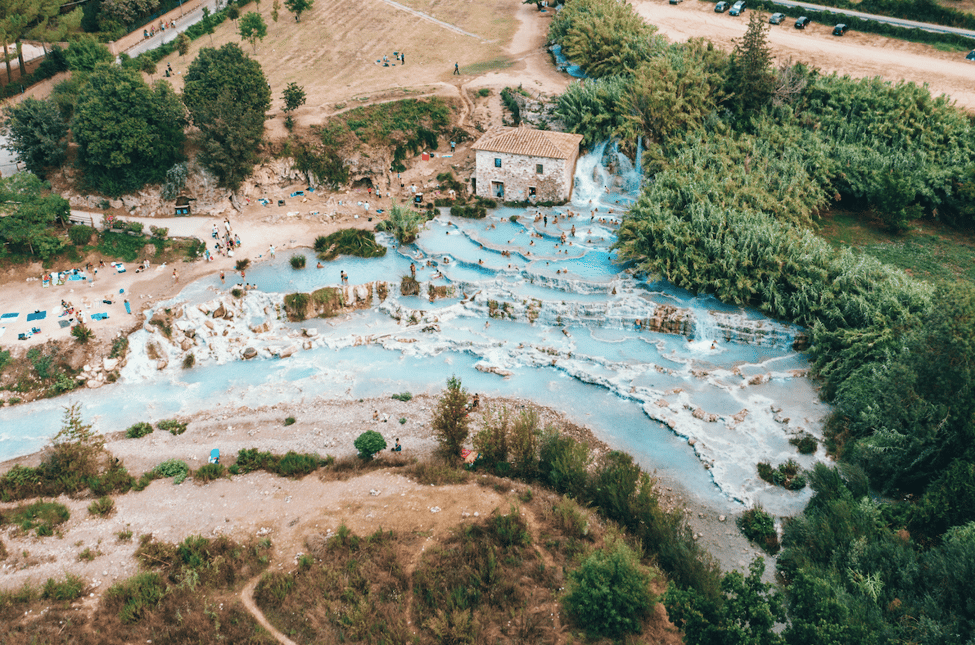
{"x":721,"y":518}
{"x":249,"y":353}
{"x":435,"y":509}
{"x":110,"y":364}
{"x":161,"y":364}
{"x":94,"y":384}
{"x":311,"y":333}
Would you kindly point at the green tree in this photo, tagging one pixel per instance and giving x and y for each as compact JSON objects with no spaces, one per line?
{"x":745,"y":615}
{"x":450,"y":423}
{"x":147,"y":65}
{"x":253,"y":28}
{"x":298,"y":7}
{"x":30,"y":212}
{"x":294,"y":97}
{"x":233,"y":12}
{"x":127,"y":132}
{"x":751,"y":76}
{"x":609,"y":594}
{"x":369,"y":443}
{"x":86,"y":53}
{"x":227,"y":96}
{"x":183,"y":44}
{"x":36,"y":132}
{"x":41,"y":20}
{"x":275,"y":10}
{"x":207,"y":23}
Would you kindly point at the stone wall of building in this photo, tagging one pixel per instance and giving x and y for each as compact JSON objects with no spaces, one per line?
{"x":519,"y":172}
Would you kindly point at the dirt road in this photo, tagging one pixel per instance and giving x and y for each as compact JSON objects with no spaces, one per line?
{"x":855,"y":54}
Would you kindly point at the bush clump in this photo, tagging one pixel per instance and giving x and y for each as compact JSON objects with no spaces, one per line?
{"x":102,"y":506}
{"x":70,"y":588}
{"x":297,"y":261}
{"x":80,"y":234}
{"x":175,"y":468}
{"x":139,"y":430}
{"x":349,"y":241}
{"x":609,"y":594}
{"x":759,"y":526}
{"x":209,"y":472}
{"x":806,"y":444}
{"x":172,"y":426}
{"x":369,"y":443}
{"x":289,"y":421}
{"x":788,"y":475}
{"x":42,"y":516}
{"x":402,"y":396}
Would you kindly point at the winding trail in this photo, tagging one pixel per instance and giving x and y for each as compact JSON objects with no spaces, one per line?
{"x":247,"y":597}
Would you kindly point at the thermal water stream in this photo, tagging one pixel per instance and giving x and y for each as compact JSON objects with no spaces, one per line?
{"x":525,"y":315}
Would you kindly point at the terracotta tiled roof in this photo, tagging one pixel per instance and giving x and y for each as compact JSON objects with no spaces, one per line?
{"x":532,"y":143}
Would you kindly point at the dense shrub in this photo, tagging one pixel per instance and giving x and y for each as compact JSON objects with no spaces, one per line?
{"x":209,"y":472}
{"x":70,"y":588}
{"x":137,"y":596}
{"x":138,"y":430}
{"x":609,"y":594}
{"x":369,"y":443}
{"x":348,"y":241}
{"x":80,"y":234}
{"x":297,"y":261}
{"x":102,"y":506}
{"x":759,"y":527}
{"x":172,"y":426}
{"x":175,"y":468}
{"x":402,"y":396}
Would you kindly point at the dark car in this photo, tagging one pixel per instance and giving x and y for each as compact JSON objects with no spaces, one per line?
{"x":776,"y":19}
{"x":839,"y":29}
{"x":737,"y":9}
{"x":802,"y":22}
{"x":971,"y":55}
{"x":676,"y":1}
{"x":721,"y":7}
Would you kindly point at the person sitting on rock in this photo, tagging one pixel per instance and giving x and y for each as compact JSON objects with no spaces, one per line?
{"x":397,"y":447}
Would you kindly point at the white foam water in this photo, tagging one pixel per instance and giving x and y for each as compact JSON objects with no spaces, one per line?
{"x":526,"y":315}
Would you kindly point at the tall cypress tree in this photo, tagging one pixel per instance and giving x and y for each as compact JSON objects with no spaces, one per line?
{"x":751,"y":78}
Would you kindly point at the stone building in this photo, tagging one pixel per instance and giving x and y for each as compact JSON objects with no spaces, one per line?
{"x":518,"y":164}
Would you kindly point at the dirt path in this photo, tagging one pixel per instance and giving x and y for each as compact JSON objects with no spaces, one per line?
{"x":247,"y":597}
{"x":428,"y":17}
{"x":855,"y":54}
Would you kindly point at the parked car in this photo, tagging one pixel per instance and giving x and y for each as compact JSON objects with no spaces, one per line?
{"x":737,"y":8}
{"x":721,"y":7}
{"x":971,"y":55}
{"x":776,"y":19}
{"x":802,"y":22}
{"x":839,"y":29}
{"x":676,"y":1}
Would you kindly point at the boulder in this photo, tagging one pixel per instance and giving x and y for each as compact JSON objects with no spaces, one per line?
{"x":203,"y":309}
{"x":161,"y":364}
{"x":262,"y":328}
{"x":307,"y":344}
{"x":110,"y":364}
{"x":249,"y":353}
{"x":229,"y":315}
{"x":209,"y":324}
{"x":94,"y":384}
{"x":189,"y":333}
{"x":286,"y":352}
{"x":186,"y":344}
{"x":220,"y":311}
{"x":310,"y":333}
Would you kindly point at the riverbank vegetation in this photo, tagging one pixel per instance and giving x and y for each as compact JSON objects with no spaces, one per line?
{"x":746,"y":156}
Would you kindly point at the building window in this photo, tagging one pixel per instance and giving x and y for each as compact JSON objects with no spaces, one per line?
{"x":497,"y":163}
{"x":538,"y":169}
{"x":531,"y":191}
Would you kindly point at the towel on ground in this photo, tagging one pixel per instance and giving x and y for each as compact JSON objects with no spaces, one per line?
{"x":37,"y":315}
{"x":8,"y":316}
{"x":101,"y":316}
